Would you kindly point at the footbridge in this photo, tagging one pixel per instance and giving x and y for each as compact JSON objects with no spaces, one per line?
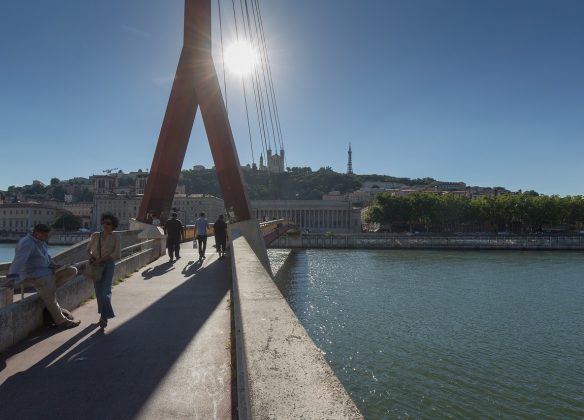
{"x":198,"y":338}
{"x":191,"y":339}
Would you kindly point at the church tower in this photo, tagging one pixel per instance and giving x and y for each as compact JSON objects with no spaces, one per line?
{"x":350,"y":162}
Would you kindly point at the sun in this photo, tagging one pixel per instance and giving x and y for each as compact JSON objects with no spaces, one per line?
{"x":241,"y":58}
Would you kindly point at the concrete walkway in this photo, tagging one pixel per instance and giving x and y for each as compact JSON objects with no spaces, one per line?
{"x":166,"y":355}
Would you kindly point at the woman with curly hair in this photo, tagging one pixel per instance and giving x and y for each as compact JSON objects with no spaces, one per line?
{"x":104,"y":250}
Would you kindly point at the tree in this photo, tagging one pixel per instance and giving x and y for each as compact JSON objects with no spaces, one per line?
{"x":59,"y":193}
{"x":55,"y":181}
{"x":85,"y":196}
{"x":68,"y":222}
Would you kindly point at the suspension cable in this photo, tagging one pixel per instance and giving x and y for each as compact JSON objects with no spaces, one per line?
{"x":264,"y":84}
{"x":266,"y":107}
{"x":257,"y":91}
{"x":244,"y":89}
{"x":270,"y":79}
{"x":222,"y":56}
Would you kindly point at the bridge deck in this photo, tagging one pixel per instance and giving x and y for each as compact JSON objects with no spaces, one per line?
{"x":165,"y":355}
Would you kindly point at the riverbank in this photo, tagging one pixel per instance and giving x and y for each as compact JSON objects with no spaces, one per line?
{"x":431,"y":241}
{"x":56,"y":238}
{"x":7,"y":251}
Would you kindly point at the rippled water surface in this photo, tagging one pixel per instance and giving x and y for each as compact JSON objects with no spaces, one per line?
{"x":429,"y":334}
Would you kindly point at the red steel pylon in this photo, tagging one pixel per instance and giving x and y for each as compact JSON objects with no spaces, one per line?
{"x":195,"y":85}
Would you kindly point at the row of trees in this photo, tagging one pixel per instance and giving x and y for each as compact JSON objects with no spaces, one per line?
{"x":518,"y":213}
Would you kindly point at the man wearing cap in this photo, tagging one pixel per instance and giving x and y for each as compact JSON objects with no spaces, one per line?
{"x":33,"y":264}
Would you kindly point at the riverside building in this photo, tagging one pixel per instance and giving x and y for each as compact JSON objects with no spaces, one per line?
{"x":125,"y":208}
{"x":317,"y":216}
{"x":125,"y":205}
{"x":21,"y":217}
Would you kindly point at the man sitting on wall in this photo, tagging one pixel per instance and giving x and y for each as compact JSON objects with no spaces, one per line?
{"x":33,"y":264}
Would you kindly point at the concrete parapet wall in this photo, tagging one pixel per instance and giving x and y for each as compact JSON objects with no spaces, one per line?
{"x":280,"y":371}
{"x":250,"y":229}
{"x":19,"y":319}
{"x":78,"y":252}
{"x":432,"y":241}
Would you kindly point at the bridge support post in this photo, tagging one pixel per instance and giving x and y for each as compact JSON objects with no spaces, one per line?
{"x":6,"y":296}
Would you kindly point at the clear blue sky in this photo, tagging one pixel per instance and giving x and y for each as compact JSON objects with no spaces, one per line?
{"x":486,"y":92}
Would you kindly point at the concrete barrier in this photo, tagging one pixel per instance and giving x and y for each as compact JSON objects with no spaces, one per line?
{"x":431,"y":241}
{"x":280,"y":371}
{"x":19,"y":319}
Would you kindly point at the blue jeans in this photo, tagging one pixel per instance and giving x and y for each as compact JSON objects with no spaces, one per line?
{"x":103,"y":291}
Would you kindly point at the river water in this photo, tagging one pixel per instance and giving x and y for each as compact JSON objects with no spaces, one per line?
{"x":7,"y":251}
{"x":433,"y":334}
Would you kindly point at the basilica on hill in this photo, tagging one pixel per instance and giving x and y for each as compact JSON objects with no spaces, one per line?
{"x":275,"y":162}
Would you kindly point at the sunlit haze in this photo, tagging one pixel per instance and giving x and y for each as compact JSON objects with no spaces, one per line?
{"x":241,"y":58}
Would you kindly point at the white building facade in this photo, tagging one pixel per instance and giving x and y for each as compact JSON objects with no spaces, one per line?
{"x":22,"y":217}
{"x":318,"y":216}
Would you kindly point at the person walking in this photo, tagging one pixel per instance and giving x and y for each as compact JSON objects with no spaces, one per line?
{"x":104,"y":250}
{"x":173,"y":228}
{"x":201,"y":225}
{"x":220,"y":228}
{"x":32,"y":264}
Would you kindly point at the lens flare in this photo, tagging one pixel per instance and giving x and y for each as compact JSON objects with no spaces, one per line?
{"x":241,"y":58}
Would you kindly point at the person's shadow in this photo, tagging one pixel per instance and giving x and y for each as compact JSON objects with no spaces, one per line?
{"x":159,"y":270}
{"x":191,"y":268}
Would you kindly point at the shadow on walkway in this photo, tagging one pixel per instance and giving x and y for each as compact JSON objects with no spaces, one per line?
{"x":191,"y":268}
{"x":42,"y":334}
{"x":157,"y":271}
{"x":112,"y":376}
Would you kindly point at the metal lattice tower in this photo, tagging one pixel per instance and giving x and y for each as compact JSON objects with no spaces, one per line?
{"x":350,"y":162}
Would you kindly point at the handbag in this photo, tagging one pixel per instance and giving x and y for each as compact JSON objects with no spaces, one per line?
{"x":95,"y":271}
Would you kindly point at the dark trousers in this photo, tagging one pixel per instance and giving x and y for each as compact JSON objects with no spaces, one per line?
{"x":202,"y":241}
{"x":220,"y":242}
{"x":173,"y":248}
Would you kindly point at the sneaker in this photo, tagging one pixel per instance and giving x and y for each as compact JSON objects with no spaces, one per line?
{"x":68,"y":324}
{"x":67,"y":314}
{"x":102,"y":323}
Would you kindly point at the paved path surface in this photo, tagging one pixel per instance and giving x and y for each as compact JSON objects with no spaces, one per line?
{"x":166,"y":355}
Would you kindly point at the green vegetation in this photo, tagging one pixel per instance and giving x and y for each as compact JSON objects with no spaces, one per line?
{"x":296,"y":183}
{"x":85,"y":196}
{"x":68,"y":222}
{"x":517,"y":213}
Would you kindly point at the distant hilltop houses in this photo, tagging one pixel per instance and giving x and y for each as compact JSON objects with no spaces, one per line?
{"x":365,"y":194}
{"x":85,"y":199}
